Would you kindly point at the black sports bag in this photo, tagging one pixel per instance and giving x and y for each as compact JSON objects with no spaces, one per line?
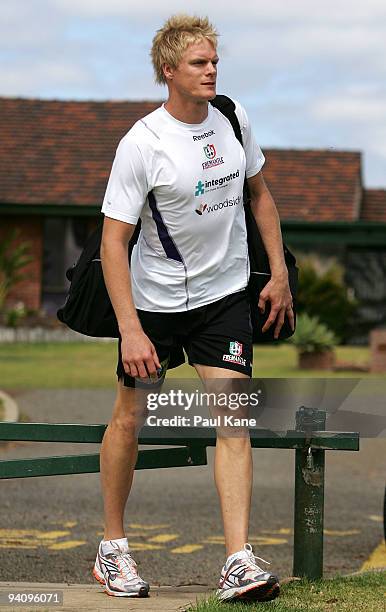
{"x":258,"y":258}
{"x":88,"y":308}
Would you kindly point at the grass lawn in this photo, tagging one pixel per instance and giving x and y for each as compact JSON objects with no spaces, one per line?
{"x":365,"y":593}
{"x":77,"y":365}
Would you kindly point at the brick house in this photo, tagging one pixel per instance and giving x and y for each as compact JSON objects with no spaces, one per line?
{"x":55,"y":160}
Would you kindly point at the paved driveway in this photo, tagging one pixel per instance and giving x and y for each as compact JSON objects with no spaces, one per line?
{"x":51,"y":526}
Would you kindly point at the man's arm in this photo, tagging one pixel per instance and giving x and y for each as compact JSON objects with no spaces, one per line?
{"x":277,"y":290}
{"x":139,"y":356}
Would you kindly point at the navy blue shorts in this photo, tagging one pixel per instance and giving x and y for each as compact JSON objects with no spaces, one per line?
{"x":217,"y":334}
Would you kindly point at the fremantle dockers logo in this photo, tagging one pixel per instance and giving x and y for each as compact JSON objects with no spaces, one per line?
{"x":235,"y":348}
{"x":234,"y":356}
{"x":212,"y":160}
{"x":210,"y":151}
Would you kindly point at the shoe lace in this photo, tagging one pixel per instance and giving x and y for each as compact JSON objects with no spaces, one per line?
{"x":126,"y":564}
{"x":252,"y":557}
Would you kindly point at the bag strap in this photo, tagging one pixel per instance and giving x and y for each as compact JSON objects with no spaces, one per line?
{"x":228,"y":108}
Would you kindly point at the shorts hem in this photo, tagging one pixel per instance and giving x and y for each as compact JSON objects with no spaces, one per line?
{"x":226,"y":366}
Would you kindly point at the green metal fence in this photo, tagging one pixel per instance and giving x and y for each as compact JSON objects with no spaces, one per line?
{"x":309,"y":440}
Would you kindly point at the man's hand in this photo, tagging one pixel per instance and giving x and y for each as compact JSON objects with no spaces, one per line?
{"x":278,"y":293}
{"x":139,"y":356}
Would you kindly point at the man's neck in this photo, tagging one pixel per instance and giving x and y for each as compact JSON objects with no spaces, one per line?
{"x":187,"y":111}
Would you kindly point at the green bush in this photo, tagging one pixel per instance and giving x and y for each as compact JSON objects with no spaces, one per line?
{"x":322,"y":293}
{"x":312,"y":336}
{"x":14,"y":316}
{"x":14,"y":256}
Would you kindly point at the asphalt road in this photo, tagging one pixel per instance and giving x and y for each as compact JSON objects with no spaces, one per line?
{"x":51,"y":526}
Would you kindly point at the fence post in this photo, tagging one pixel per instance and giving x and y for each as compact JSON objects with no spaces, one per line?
{"x":309,"y":498}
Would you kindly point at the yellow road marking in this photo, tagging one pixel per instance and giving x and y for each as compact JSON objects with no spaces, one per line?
{"x":37,"y":533}
{"x":144,"y":546}
{"x":52,"y":535}
{"x":281,"y":531}
{"x":187,"y":548}
{"x":329,"y":532}
{"x":375,"y":517}
{"x":140,"y":526}
{"x":29,"y":538}
{"x":65,"y":545}
{"x":6,"y":544}
{"x":129,"y":534}
{"x":332,"y":532}
{"x":215,"y":540}
{"x":376,"y":559}
{"x":32,"y":538}
{"x":162,"y":538}
{"x":260,"y":540}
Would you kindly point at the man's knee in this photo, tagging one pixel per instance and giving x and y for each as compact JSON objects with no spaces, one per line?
{"x":129,"y":412}
{"x":128,"y":425}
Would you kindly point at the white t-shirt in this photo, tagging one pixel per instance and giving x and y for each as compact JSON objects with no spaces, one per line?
{"x":185,"y":182}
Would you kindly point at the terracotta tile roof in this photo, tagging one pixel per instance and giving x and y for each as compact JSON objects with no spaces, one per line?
{"x":374,"y":205}
{"x":314,"y":185}
{"x":60,"y":152}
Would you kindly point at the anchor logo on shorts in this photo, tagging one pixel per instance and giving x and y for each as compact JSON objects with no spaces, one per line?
{"x":235,"y":351}
{"x":235,"y":348}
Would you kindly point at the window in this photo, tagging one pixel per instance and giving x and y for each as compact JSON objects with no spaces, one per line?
{"x":63,"y":240}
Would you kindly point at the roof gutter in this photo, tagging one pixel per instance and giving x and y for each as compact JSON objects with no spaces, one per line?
{"x":50,"y":210}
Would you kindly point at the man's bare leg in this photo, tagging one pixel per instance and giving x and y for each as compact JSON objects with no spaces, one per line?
{"x":233,"y":475}
{"x":118,"y":456}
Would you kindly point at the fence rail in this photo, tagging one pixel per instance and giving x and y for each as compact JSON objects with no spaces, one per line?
{"x":309,"y":440}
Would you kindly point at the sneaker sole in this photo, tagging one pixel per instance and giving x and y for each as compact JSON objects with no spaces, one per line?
{"x":265,"y":591}
{"x":268,"y":592}
{"x":143,"y":591}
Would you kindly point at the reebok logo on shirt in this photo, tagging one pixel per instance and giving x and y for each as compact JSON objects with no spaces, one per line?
{"x":204,"y":135}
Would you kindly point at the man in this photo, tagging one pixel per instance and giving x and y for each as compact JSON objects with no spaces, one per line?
{"x":185,"y":288}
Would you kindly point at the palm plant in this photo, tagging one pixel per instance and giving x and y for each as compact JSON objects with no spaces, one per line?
{"x":312,"y":336}
{"x":14,"y":256}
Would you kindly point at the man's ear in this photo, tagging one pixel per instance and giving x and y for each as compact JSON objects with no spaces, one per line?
{"x":168,"y":71}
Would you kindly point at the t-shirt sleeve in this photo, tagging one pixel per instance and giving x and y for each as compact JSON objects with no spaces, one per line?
{"x":128,"y":185}
{"x":254,"y":155}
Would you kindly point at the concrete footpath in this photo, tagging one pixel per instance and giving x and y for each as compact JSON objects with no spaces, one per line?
{"x":89,"y":597}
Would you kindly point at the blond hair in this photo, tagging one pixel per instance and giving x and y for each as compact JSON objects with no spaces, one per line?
{"x":177,"y":33}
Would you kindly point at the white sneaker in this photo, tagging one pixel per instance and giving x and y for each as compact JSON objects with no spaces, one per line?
{"x":242,"y":579}
{"x":116,"y":570}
